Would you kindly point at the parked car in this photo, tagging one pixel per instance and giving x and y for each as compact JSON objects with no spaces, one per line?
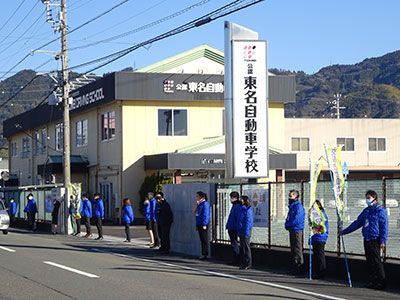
{"x":4,"y":218}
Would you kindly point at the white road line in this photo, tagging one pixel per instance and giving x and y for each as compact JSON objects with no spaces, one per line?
{"x":270,"y":284}
{"x":71,"y":269}
{"x":7,"y":249}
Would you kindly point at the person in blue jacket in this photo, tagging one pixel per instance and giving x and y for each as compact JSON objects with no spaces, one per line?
{"x":147,"y":216}
{"x":31,"y":210}
{"x":374,"y":223}
{"x":295,"y":224}
{"x":202,"y":212}
{"x":12,"y":211}
{"x":318,"y":241}
{"x":99,"y":215}
{"x":153,"y":219}
{"x":232,"y":226}
{"x":127,"y":218}
{"x":245,"y":225}
{"x":87,"y":214}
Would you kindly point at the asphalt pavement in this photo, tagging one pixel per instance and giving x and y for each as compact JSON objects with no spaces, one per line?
{"x":43,"y":266}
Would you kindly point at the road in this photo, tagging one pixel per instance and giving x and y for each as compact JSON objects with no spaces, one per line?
{"x":42,"y":266}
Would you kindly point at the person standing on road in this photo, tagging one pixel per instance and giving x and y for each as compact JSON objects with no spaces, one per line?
{"x":87,"y":214}
{"x":12,"y":211}
{"x":31,"y":210}
{"x":165,"y":218}
{"x":202,"y":212}
{"x":232,"y":226}
{"x":147,"y":216}
{"x":127,"y":218}
{"x":295,"y":225}
{"x":318,"y":241}
{"x":374,"y":221}
{"x":54,"y":216}
{"x":245,"y":225}
{"x":77,"y":215}
{"x":153,"y":218}
{"x":99,"y":215}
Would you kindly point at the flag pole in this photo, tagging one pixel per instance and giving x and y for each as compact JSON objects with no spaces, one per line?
{"x":309,"y":235}
{"x":338,"y":217}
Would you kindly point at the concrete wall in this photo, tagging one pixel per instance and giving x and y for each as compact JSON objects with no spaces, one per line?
{"x":182,"y":198}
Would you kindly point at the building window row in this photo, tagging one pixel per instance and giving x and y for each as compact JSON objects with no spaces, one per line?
{"x":302,"y":144}
{"x":26,"y":147}
{"x":108,"y":126}
{"x":82,"y":133}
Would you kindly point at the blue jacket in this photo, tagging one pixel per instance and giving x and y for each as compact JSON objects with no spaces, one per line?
{"x":296,"y":217}
{"x":233,"y":219}
{"x":13,"y":208}
{"x":86,"y":208}
{"x":127,"y":215}
{"x":374,"y":221}
{"x":153,"y":209}
{"x":322,"y":237}
{"x":31,"y":206}
{"x":147,"y":213}
{"x":203,"y":214}
{"x":245,"y":221}
{"x":98,"y":208}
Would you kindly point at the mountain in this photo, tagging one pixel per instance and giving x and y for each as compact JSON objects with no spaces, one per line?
{"x":370,"y":89}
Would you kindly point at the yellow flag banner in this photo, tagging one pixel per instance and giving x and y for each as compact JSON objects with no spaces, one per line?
{"x":316,"y":217}
{"x":76,"y":190}
{"x":335,"y":166}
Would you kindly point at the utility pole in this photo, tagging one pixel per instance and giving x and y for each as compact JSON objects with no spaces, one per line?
{"x":65,"y":84}
{"x":336,"y":105}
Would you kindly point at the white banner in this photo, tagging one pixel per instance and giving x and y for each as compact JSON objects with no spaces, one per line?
{"x":250,"y":107}
{"x":259,"y":202}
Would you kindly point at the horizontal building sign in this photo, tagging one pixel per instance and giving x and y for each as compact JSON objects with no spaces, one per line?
{"x":87,"y":98}
{"x":170,"y":86}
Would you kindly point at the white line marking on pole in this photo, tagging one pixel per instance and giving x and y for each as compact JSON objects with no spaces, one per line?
{"x":71,"y":269}
{"x":270,"y":284}
{"x":7,"y":249}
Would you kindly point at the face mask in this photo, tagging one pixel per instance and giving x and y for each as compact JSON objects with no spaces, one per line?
{"x":369,"y":201}
{"x":30,"y":198}
{"x":232,"y":200}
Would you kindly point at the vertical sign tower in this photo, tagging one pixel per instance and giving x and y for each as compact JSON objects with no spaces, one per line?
{"x":246,"y":103}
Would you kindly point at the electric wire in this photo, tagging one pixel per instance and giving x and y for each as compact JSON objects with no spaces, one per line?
{"x":12,"y":15}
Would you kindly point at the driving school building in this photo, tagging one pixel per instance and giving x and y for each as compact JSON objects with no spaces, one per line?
{"x":118,"y":121}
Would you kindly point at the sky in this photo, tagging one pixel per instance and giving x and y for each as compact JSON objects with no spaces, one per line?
{"x":302,"y":35}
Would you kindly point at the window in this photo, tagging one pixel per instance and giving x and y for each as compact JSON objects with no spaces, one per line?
{"x":44,"y":140}
{"x":172,"y":122}
{"x":108,"y":126}
{"x":81,"y":133}
{"x":376,"y":144}
{"x":36,"y":143}
{"x":59,"y":137}
{"x":26,"y":147}
{"x":300,"y":144}
{"x":14,"y":149}
{"x":348,"y":143}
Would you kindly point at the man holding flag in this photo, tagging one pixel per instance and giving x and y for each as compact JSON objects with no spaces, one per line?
{"x":374,"y":221}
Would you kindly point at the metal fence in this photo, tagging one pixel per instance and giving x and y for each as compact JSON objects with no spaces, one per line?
{"x":273,"y":212}
{"x":40,"y":194}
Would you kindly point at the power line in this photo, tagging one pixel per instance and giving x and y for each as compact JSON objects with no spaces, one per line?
{"x":12,"y":15}
{"x":23,"y":19}
{"x":149,"y":25}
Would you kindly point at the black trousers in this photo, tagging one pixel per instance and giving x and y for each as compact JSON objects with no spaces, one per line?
{"x":164,"y":231}
{"x":203,"y":234}
{"x":296,"y":249}
{"x":128,"y":231}
{"x":319,"y":262}
{"x":12,"y":220}
{"x":154,"y":228}
{"x":374,"y":262}
{"x":246,"y":250}
{"x":31,"y":220}
{"x":78,"y":225}
{"x":233,"y":236}
{"x":99,"y":226}
{"x":86,"y":221}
